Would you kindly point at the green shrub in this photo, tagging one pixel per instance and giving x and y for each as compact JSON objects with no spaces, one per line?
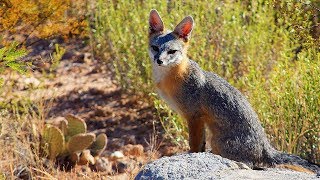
{"x":9,"y":58}
{"x":264,"y":48}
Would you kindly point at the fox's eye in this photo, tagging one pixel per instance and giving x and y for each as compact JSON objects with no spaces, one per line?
{"x":155,"y":48}
{"x":172,"y":51}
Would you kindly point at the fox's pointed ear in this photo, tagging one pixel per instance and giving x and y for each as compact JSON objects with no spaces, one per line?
{"x":155,"y":22}
{"x":184,"y":28}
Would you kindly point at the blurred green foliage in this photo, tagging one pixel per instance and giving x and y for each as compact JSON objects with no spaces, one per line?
{"x":9,"y":58}
{"x":268,"y":49}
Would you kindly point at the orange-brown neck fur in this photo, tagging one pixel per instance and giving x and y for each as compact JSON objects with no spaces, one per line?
{"x":172,"y":82}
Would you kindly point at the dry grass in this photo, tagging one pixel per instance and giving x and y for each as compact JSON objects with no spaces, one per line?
{"x":20,"y":141}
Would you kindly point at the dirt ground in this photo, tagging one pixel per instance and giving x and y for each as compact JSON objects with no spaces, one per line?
{"x":83,"y":85}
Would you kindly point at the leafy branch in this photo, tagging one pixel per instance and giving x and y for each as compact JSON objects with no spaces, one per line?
{"x":9,"y":58}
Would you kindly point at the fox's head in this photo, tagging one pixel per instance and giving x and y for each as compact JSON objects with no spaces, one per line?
{"x":168,"y":48}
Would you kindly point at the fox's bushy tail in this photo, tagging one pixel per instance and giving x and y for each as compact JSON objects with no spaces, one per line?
{"x":290,"y":159}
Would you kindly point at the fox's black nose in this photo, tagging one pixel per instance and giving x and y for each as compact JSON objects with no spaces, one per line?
{"x":159,"y":62}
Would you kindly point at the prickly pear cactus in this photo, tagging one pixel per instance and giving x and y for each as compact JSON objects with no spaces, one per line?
{"x":80,"y":142}
{"x":54,"y":140}
{"x":70,"y":142}
{"x":75,"y":125}
{"x":99,"y":145}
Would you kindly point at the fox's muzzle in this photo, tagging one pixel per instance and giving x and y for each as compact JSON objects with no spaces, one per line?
{"x":157,"y":59}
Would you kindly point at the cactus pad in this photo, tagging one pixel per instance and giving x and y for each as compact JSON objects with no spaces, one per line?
{"x":75,"y":125}
{"x":99,"y":145}
{"x":80,"y":142}
{"x":64,"y":126}
{"x":55,"y":140}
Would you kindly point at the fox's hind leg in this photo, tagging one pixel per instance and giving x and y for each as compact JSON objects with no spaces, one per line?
{"x":197,"y":140}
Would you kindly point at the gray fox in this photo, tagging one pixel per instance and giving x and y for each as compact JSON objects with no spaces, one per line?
{"x":205,"y":99}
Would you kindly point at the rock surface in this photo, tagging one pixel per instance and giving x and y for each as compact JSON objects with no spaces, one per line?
{"x":210,"y":166}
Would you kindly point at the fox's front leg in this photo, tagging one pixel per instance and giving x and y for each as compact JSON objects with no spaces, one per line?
{"x":197,"y":140}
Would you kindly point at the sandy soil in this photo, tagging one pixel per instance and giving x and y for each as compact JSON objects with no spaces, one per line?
{"x":83,"y":85}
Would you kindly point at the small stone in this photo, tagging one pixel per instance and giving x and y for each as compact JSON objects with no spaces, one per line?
{"x":103,"y":165}
{"x":116,"y":155}
{"x":133,"y":150}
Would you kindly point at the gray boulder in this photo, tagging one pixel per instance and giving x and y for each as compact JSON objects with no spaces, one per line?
{"x":210,"y":166}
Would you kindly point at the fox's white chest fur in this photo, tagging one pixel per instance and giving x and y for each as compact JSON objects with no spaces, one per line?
{"x":171,"y":103}
{"x":159,"y":73}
